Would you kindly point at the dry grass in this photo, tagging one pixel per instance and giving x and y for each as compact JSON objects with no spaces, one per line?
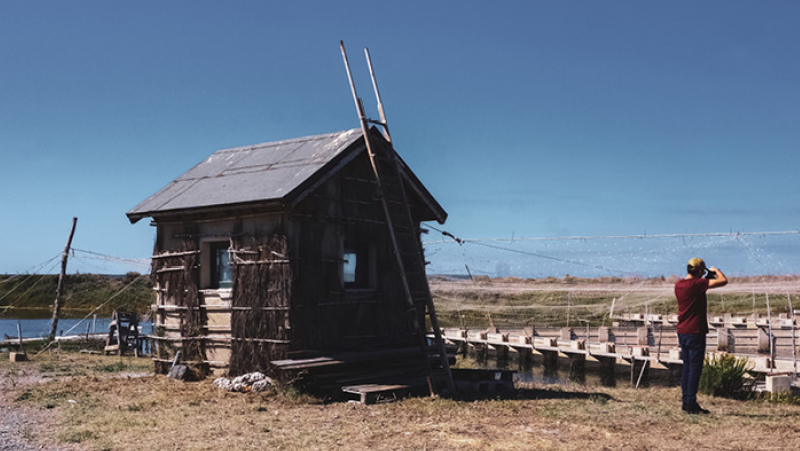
{"x":514,"y":303}
{"x":98,"y":409}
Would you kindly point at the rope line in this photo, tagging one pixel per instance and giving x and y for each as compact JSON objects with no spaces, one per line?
{"x":461,"y":242}
{"x":8,"y":307}
{"x":605,"y":237}
{"x":99,"y":256}
{"x":96,"y":309}
{"x":32,"y":271}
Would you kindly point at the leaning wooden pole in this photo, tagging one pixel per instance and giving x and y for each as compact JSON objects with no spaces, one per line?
{"x":393,"y":238}
{"x":62,"y":282}
{"x":381,"y":111}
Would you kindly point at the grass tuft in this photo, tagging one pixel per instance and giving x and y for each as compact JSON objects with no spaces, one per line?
{"x":78,"y":436}
{"x":725,"y":376}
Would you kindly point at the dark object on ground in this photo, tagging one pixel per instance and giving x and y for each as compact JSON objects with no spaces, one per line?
{"x":695,"y":409}
{"x":179,"y":372}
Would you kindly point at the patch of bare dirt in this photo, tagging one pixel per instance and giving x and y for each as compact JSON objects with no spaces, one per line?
{"x":23,"y":428}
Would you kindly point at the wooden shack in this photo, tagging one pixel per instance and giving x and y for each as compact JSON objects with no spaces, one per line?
{"x":278,"y":255}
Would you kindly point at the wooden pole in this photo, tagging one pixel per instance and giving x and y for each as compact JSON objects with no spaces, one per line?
{"x":771,"y":339}
{"x":393,"y":237}
{"x":62,"y":281}
{"x":569,"y":304}
{"x":794,"y":340}
{"x":19,"y":337}
{"x":378,"y":97}
{"x":641,"y":373}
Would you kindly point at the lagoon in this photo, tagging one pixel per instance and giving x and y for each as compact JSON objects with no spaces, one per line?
{"x":40,"y":327}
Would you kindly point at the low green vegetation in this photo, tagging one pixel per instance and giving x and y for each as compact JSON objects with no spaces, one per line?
{"x":30,"y":295}
{"x":726,"y":375}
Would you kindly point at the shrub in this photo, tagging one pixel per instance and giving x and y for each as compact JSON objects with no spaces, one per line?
{"x":724,"y":376}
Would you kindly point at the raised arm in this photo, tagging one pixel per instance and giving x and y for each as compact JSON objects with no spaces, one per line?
{"x":719,"y":281}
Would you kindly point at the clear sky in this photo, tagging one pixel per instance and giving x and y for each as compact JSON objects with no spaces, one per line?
{"x":523,"y":118}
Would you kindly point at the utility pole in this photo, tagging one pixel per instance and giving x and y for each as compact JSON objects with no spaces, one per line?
{"x":62,"y":281}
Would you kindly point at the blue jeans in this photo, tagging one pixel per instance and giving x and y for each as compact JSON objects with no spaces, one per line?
{"x":693,"y":353}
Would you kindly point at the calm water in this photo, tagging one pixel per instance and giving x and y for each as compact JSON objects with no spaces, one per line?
{"x":40,"y":327}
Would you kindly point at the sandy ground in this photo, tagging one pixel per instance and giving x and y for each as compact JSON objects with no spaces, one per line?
{"x":114,"y":410}
{"x":23,"y":428}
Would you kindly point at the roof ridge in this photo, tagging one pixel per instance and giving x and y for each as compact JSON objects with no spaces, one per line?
{"x":301,"y":139}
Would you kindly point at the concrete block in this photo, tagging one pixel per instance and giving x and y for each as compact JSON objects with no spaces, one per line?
{"x":577,"y":344}
{"x":497,"y":337}
{"x":603,"y":348}
{"x":566,"y":333}
{"x":604,"y":334}
{"x":723,"y":340}
{"x":783,"y":366}
{"x":17,"y":356}
{"x":641,"y":351}
{"x":762,"y":363}
{"x":523,"y":340}
{"x":642,"y":334}
{"x":675,"y":353}
{"x":763,"y":340}
{"x":779,"y":383}
{"x":546,"y":341}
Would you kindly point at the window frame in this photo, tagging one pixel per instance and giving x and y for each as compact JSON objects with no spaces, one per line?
{"x":364,"y":272}
{"x":210,"y":277}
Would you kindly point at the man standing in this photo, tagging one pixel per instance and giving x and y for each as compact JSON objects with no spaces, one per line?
{"x":693,"y":326}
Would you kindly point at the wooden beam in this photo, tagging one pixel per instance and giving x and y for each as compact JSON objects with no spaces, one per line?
{"x":62,"y":281}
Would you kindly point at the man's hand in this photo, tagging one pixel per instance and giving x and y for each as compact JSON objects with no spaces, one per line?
{"x":719,"y":281}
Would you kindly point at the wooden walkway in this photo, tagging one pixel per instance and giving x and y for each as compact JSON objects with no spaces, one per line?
{"x":770,"y":347}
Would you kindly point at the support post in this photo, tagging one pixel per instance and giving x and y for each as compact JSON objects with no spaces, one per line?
{"x":61,"y":282}
{"x":771,"y":337}
{"x":19,"y":338}
{"x":723,"y":340}
{"x":794,"y":339}
{"x":643,"y":336}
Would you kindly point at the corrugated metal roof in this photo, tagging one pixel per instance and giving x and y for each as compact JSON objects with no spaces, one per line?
{"x":258,"y":173}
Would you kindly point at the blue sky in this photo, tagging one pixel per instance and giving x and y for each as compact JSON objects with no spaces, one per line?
{"x":523,"y":118}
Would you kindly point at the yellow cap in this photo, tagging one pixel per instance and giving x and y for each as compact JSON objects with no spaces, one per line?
{"x":697,"y":263}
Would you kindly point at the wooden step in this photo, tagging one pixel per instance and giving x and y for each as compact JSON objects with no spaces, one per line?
{"x":377,"y":393}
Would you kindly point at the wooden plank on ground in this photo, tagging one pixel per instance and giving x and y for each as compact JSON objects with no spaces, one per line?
{"x":376,"y":393}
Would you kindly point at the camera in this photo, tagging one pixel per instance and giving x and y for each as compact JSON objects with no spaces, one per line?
{"x":711,"y":275}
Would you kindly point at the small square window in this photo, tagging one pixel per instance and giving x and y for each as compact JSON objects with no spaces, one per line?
{"x":221,"y":273}
{"x":356,"y":266}
{"x":350,"y":265}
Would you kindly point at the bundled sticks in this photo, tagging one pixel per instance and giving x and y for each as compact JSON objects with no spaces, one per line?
{"x":261,"y":295}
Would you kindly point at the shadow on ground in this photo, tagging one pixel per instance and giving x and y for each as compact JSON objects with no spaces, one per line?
{"x":530,"y":394}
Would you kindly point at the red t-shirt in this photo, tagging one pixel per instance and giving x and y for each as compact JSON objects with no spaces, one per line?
{"x":692,"y":305}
